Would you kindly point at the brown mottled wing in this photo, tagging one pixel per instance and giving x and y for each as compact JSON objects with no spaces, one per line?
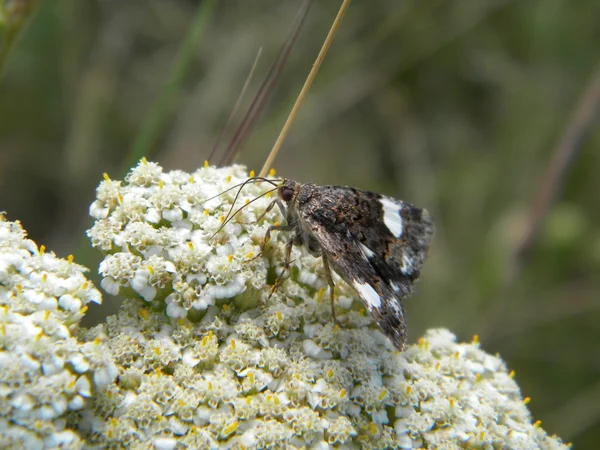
{"x":348,"y":261}
{"x":397,"y":244}
{"x":380,"y":258}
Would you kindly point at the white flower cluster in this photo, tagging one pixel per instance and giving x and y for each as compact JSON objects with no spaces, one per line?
{"x":45,"y":372}
{"x":208,"y":359}
{"x":168,"y":242}
{"x":237,"y":384}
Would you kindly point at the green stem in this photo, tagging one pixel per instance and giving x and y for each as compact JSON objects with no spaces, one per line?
{"x":157,"y":118}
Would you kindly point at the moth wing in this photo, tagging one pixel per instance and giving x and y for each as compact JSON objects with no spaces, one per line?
{"x":348,"y":260}
{"x":391,"y":234}
{"x":397,"y":242}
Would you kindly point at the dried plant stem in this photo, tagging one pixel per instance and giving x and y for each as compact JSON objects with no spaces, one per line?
{"x":265,"y":89}
{"x":305,"y":88}
{"x":225,"y":129}
{"x":564,"y":154}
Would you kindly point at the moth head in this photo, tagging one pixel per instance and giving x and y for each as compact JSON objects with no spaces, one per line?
{"x":288,"y":190}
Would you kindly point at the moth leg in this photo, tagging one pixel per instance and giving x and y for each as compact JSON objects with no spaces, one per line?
{"x":275,"y":228}
{"x":330,"y":282}
{"x":286,"y":265}
{"x":267,"y":238}
{"x":279,"y":204}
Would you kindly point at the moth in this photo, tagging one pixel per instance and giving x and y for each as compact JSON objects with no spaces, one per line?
{"x":377,"y":244}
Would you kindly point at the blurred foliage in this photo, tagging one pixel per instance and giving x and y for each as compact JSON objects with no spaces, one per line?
{"x":14,"y":15}
{"x":455,"y":106}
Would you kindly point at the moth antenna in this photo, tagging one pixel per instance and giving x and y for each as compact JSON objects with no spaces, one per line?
{"x":249,"y":180}
{"x":225,"y":128}
{"x":227,"y":220}
{"x":242,"y":187}
{"x":266,"y":87}
{"x":311,"y":76}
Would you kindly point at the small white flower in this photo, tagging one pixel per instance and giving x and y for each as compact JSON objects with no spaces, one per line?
{"x":110,"y":285}
{"x":172,"y":215}
{"x":145,"y":174}
{"x":76,"y":403}
{"x":79,"y":362}
{"x":98,"y":210}
{"x":314,"y":351}
{"x":164,"y":443}
{"x":140,"y":283}
{"x":62,"y":439}
{"x":152,"y":215}
{"x":83,"y":386}
{"x":175,"y":311}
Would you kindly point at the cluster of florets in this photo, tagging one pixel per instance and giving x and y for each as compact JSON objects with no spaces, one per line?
{"x":224,"y":383}
{"x":45,"y":372}
{"x":168,"y":238}
{"x":209,"y":357}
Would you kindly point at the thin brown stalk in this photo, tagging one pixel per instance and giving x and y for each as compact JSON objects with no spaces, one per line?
{"x":577,"y":129}
{"x":305,"y":88}
{"x":564,"y":154}
{"x":266,"y":87}
{"x":225,"y":128}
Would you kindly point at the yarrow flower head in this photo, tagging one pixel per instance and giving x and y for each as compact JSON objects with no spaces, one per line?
{"x":167,"y":241}
{"x":207,"y":358}
{"x":45,"y":372}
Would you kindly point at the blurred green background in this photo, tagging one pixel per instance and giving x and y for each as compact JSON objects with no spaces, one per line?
{"x":454,"y":106}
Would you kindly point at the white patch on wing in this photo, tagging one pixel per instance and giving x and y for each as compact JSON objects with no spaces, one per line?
{"x":391,"y":216}
{"x":407,"y":266}
{"x":397,"y":309}
{"x":366,"y":251}
{"x":368,"y":294}
{"x":395,"y":287}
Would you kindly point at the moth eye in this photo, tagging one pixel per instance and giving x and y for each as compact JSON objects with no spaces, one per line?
{"x":286,"y":194}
